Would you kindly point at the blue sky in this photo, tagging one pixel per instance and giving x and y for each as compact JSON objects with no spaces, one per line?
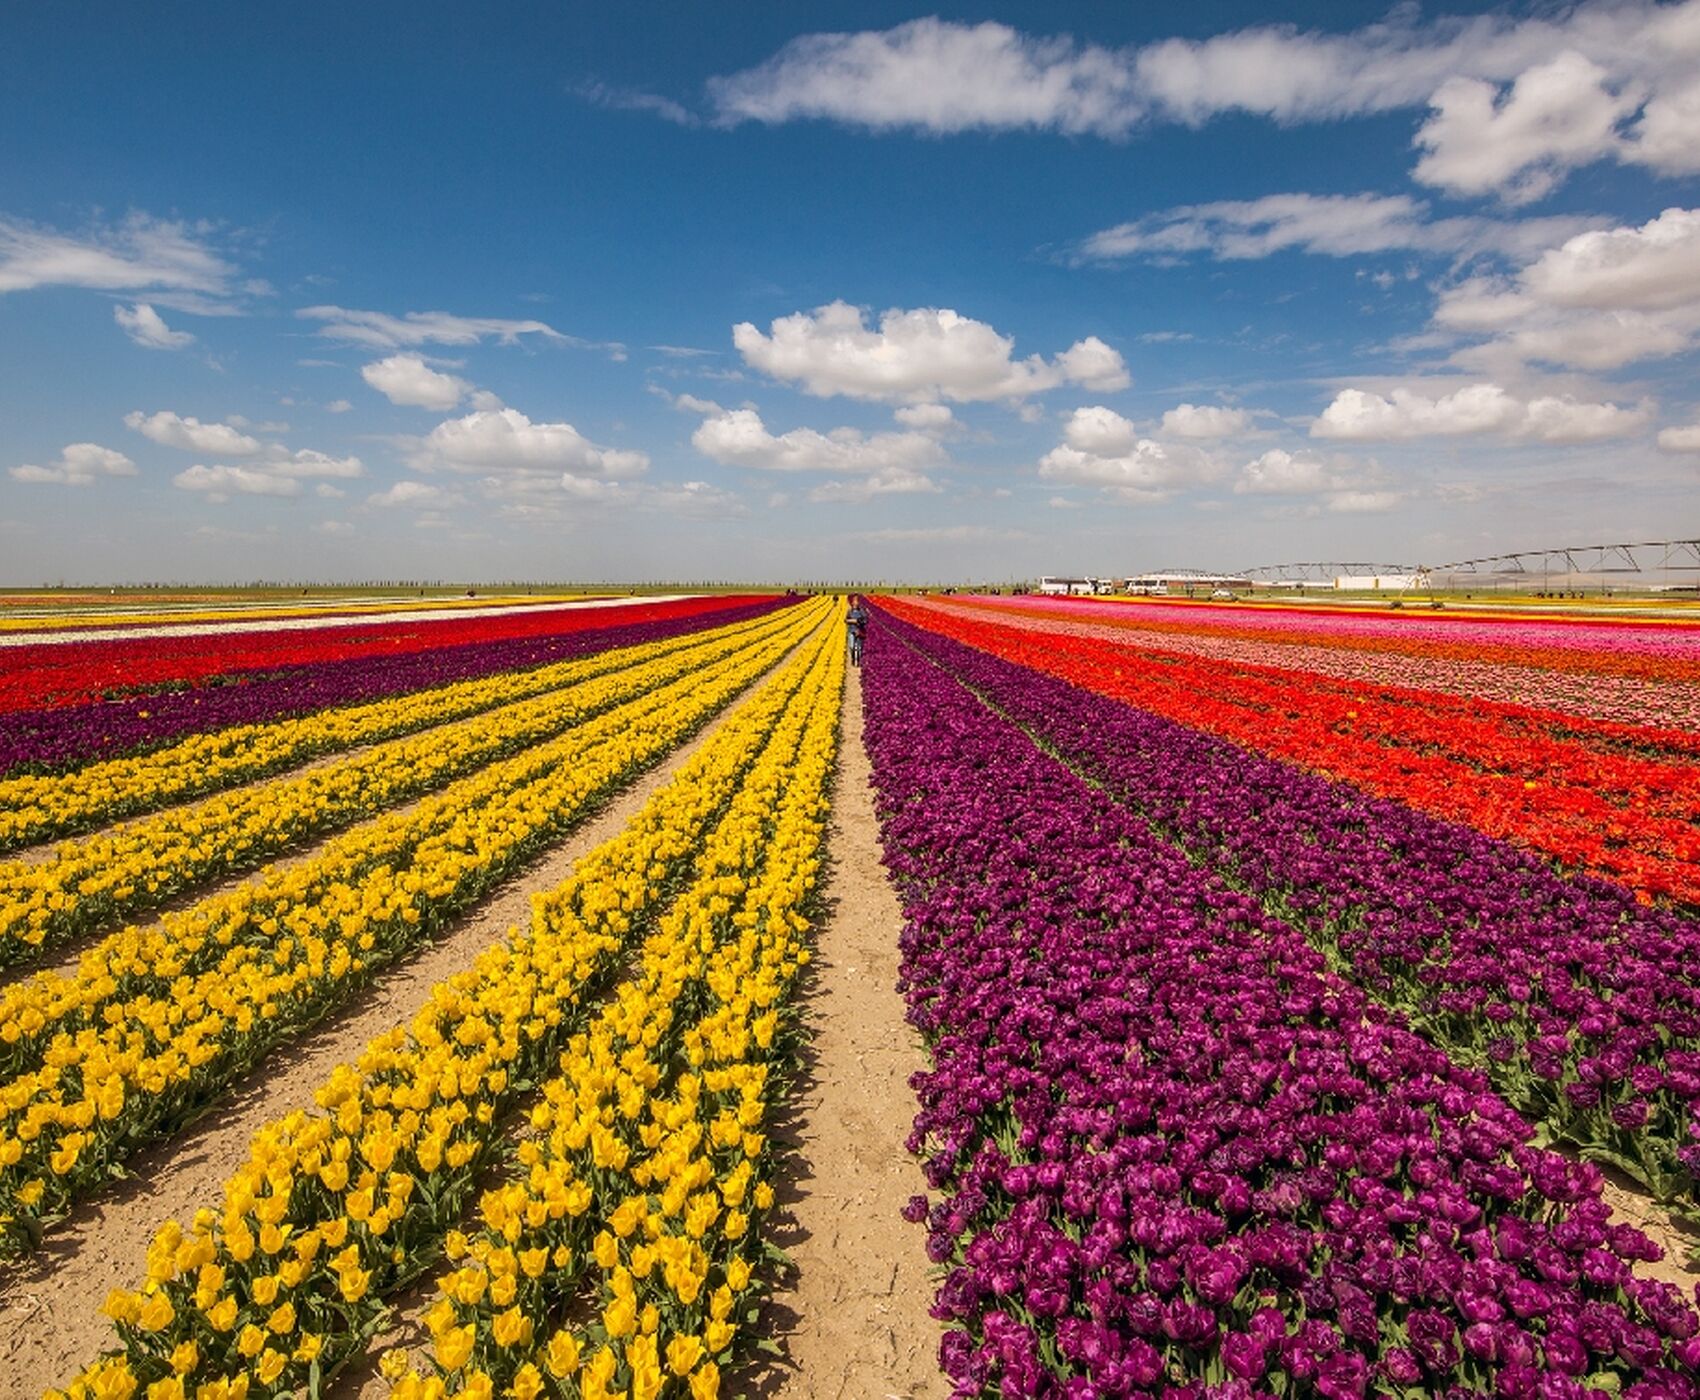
{"x":650,"y":291}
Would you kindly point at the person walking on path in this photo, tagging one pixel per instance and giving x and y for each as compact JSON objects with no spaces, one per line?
{"x":856,"y":622}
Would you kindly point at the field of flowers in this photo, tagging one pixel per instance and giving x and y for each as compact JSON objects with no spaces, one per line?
{"x":1284,"y":1015}
{"x":1303,"y":996}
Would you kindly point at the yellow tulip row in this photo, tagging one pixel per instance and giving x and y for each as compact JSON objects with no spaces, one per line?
{"x":643,"y":1188}
{"x":37,"y":1014}
{"x":117,"y":874}
{"x":41,"y":807}
{"x":140,"y":1065}
{"x":340,"y":1206}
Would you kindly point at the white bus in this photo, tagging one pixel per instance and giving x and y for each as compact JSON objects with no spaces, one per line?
{"x":1059,"y":586}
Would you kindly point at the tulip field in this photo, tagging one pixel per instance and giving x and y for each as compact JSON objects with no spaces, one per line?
{"x":1287,"y":992}
{"x":1299,"y":997}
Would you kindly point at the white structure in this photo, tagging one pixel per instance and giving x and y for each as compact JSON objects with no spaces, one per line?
{"x":1186,"y":585}
{"x":1060,"y":586}
{"x":1379,"y":583}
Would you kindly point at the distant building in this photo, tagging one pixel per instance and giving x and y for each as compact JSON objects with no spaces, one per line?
{"x":1186,"y":585}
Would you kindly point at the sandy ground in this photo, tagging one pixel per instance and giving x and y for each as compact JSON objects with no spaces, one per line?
{"x":50,"y":1321}
{"x":850,"y":1317}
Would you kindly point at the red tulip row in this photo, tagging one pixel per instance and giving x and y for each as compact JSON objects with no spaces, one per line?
{"x":43,"y":675}
{"x":1622,"y":816}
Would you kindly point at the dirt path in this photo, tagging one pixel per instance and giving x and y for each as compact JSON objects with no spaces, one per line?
{"x":851,"y":1319}
{"x":50,"y":1320}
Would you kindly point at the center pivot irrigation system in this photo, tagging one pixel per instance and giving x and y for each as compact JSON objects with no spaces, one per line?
{"x":1652,"y":565}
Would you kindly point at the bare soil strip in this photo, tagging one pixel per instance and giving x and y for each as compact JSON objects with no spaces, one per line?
{"x":50,"y":1319}
{"x":851,"y":1320}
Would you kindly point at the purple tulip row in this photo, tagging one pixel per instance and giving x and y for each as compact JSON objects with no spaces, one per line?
{"x":1172,"y":1154}
{"x":59,"y":738}
{"x":1581,"y":1004}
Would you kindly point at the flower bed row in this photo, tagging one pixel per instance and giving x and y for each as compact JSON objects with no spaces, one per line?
{"x":1505,"y":675}
{"x":118,"y":874}
{"x":1629,"y":818}
{"x":1173,"y":1154}
{"x":1635,"y":647}
{"x":1581,"y":1005}
{"x":134,"y":1046}
{"x":37,"y":807}
{"x":337,"y":1208}
{"x":312,"y":677}
{"x":621,"y":1243}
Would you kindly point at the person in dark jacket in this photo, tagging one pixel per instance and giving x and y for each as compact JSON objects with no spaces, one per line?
{"x":856,"y":623}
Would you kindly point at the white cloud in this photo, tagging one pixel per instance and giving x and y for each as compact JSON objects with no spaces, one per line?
{"x":338,"y":406}
{"x":1364,"y":502}
{"x":505,"y":440}
{"x":937,"y":534}
{"x":220,"y":483}
{"x":1330,"y":225}
{"x":1101,"y":448}
{"x":190,"y":434}
{"x":739,"y":438}
{"x":619,"y":99}
{"x":1205,"y":421}
{"x":1356,"y":414}
{"x":1680,"y":439}
{"x":79,"y":464}
{"x":387,"y":332}
{"x":1600,"y":300}
{"x":326,"y":491}
{"x":333,"y":527}
{"x":1519,"y":144}
{"x":891,"y":481}
{"x":916,"y":356}
{"x":1599,"y":80}
{"x":933,"y":418}
{"x":138,"y":253}
{"x":309,"y":464}
{"x":1281,"y":473}
{"x":1652,"y":268}
{"x":409,"y":493}
{"x":408,"y":380}
{"x":147,"y":328}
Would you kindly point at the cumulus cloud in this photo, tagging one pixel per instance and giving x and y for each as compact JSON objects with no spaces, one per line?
{"x":79,"y":464}
{"x":1329,"y":225}
{"x":139,"y":253}
{"x":1652,"y":268}
{"x":1205,"y":421}
{"x":408,"y":380}
{"x":505,"y":440}
{"x":338,"y":406}
{"x":916,"y":356}
{"x":1519,"y":143}
{"x":933,"y":418}
{"x":191,"y":434}
{"x":739,"y":438}
{"x":1599,"y":300}
{"x":147,"y":328}
{"x":1476,"y":409}
{"x":219,"y":483}
{"x":1514,"y":101}
{"x":1339,"y":484}
{"x":1680,"y":439}
{"x":894,"y":481}
{"x":1281,"y":473}
{"x":383,"y":331}
{"x":1102,"y":448}
{"x":312,"y":465}
{"x":409,"y":493}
